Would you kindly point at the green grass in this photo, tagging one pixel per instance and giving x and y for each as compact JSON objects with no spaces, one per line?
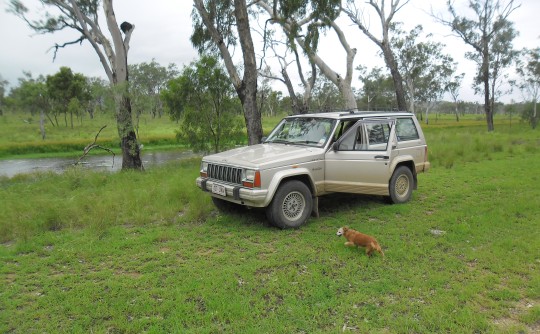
{"x":21,"y":135}
{"x":147,"y":252}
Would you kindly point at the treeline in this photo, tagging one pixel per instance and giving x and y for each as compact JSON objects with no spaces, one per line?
{"x":66,"y":98}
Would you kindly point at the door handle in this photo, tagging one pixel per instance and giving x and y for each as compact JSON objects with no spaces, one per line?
{"x":384,"y":157}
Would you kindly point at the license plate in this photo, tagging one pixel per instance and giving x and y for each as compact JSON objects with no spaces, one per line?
{"x":219,"y":190}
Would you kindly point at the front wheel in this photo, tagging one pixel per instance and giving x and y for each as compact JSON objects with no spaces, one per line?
{"x":291,"y":205}
{"x":401,"y":185}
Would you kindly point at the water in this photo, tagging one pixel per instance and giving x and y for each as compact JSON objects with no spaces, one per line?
{"x":13,"y":167}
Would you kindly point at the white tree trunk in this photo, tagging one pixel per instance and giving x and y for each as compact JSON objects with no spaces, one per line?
{"x":344,"y":84}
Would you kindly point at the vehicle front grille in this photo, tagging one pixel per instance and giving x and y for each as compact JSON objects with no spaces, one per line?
{"x":225,"y":173}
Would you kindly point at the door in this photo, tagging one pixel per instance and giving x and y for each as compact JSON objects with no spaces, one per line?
{"x":360,"y":160}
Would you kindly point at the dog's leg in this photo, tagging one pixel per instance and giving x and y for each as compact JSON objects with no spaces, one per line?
{"x":349,"y":243}
{"x":369,"y":250}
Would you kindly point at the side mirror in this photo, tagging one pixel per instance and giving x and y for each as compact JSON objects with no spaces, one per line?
{"x":335,"y":146}
{"x":263,"y":139}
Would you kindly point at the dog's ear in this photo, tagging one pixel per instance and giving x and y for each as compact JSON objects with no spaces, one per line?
{"x":345,"y":228}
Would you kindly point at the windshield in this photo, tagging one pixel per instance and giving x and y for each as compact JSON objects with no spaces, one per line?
{"x":303,"y":131}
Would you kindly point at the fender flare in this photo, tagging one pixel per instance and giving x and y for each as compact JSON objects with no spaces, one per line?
{"x":286,"y":174}
{"x":408,"y":160}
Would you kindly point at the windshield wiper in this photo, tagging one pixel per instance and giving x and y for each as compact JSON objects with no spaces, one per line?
{"x":278,"y":141}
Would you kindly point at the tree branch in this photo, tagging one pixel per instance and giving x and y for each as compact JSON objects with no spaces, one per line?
{"x":61,"y":46}
{"x":92,"y":146}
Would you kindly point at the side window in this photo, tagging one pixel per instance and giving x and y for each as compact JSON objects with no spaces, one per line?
{"x":378,"y":135}
{"x":406,"y":129}
{"x":371,"y":136}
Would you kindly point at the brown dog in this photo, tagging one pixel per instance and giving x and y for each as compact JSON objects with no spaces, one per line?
{"x":355,"y":238}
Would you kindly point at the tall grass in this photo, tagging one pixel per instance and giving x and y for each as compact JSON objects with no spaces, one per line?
{"x":21,"y":135}
{"x":35,"y":203}
{"x":451,"y":145}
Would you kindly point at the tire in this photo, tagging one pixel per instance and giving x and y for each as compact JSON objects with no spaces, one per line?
{"x":291,"y":205}
{"x":401,"y":185}
{"x":226,"y":206}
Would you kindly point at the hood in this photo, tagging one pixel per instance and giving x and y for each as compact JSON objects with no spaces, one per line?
{"x":265,"y":156}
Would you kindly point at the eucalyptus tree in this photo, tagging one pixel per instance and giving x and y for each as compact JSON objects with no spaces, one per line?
{"x":529,"y":71}
{"x":31,"y":96}
{"x":377,"y":92}
{"x":3,"y":88}
{"x":83,"y":17}
{"x":425,"y":69}
{"x":299,"y":101}
{"x":302,"y":22}
{"x":385,"y":12}
{"x":203,"y":98}
{"x":146,"y":82}
{"x":453,"y":87}
{"x":68,"y":91}
{"x":218,"y":25}
{"x":326,"y":95}
{"x":490,"y":33}
{"x":102,"y":99}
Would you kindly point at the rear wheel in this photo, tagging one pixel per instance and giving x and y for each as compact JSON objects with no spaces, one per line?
{"x":291,"y":205}
{"x":401,"y":185}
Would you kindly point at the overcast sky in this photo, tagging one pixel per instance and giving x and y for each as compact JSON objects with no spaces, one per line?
{"x":163,"y":28}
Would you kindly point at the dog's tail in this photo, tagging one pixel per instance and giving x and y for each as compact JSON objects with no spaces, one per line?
{"x":379,"y":249}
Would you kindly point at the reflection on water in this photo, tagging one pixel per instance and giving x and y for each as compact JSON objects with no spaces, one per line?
{"x":13,"y":167}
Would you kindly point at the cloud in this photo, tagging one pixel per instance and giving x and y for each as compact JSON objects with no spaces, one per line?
{"x":163,"y":28}
{"x":162,"y":31}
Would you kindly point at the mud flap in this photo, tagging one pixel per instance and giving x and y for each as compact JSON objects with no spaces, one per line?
{"x":315,"y":209}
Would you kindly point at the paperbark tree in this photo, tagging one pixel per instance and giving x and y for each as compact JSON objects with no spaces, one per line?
{"x":218,"y":25}
{"x":82,"y":16}
{"x":490,"y":34}
{"x":357,"y":16}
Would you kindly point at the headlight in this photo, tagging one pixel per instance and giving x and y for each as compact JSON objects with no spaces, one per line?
{"x":250,"y":175}
{"x":252,"y":178}
{"x":204,"y":169}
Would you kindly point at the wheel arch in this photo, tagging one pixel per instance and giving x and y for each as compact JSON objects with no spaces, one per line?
{"x":280,"y":178}
{"x":409,"y":164}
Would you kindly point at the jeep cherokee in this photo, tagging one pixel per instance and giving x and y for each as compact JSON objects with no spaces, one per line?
{"x":310,"y":155}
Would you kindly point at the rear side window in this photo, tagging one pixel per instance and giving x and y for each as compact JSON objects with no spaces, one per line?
{"x":406,"y":129}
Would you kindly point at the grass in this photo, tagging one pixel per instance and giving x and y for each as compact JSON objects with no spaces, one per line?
{"x":147,"y":252}
{"x":21,"y":135}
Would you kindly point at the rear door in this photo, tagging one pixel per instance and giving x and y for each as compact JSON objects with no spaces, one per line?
{"x":360,"y":160}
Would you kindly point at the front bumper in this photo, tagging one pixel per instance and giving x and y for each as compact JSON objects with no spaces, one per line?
{"x":236,"y":194}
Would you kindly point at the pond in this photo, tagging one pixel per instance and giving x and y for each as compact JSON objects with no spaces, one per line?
{"x":13,"y":167}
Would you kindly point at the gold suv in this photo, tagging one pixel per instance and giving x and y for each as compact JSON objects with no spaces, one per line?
{"x":311,"y":155}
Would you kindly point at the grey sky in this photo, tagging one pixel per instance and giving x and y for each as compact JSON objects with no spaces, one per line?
{"x":163,"y":28}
